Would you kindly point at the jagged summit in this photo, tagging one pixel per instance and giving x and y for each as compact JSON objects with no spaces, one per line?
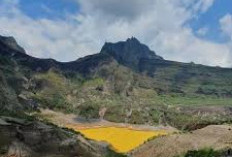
{"x":129,"y":52}
{"x":10,"y":42}
{"x":133,"y":40}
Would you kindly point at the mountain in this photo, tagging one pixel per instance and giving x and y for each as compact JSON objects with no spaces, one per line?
{"x":127,"y":78}
{"x":167,"y":76}
{"x":126,"y":82}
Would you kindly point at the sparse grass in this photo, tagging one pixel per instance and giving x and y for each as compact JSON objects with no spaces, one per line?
{"x":94,"y":82}
{"x":196,"y":100}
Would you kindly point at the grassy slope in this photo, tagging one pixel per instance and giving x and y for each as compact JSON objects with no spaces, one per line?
{"x":125,"y":99}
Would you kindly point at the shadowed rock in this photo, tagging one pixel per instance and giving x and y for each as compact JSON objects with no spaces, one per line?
{"x":11,"y":43}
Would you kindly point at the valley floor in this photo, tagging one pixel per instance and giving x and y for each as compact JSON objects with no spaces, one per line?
{"x":121,"y":137}
{"x":174,"y":143}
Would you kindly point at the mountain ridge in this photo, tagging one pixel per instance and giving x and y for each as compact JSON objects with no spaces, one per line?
{"x":141,"y":60}
{"x":10,"y":42}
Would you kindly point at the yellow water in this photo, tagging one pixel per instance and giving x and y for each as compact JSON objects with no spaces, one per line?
{"x":121,"y":139}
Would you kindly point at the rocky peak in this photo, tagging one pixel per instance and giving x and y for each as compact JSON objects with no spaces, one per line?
{"x":133,"y":40}
{"x":11,"y":43}
{"x":129,"y":52}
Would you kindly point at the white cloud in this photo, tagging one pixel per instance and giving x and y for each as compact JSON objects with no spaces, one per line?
{"x":42,"y":38}
{"x":128,"y":9}
{"x":185,"y":47}
{"x":226,"y":25}
{"x":202,"y":31}
{"x":203,"y":5}
{"x":160,"y":24}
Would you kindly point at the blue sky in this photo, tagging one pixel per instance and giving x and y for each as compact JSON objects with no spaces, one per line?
{"x":181,"y":30}
{"x":210,"y":19}
{"x":52,"y":9}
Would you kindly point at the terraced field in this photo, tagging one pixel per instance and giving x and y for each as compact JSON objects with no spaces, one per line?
{"x":121,"y":139}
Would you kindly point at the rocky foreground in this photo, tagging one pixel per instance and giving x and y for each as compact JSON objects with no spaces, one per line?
{"x":22,"y":138}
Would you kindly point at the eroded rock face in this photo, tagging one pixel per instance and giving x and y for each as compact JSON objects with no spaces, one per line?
{"x":21,"y":138}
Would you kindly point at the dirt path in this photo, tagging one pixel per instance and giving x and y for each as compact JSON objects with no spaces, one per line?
{"x":214,"y":136}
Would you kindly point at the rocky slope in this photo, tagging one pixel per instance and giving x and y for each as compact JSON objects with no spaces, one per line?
{"x":24,"y":138}
{"x":218,"y":137}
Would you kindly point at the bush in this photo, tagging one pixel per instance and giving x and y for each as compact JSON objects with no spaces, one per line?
{"x":202,"y":153}
{"x":111,"y":153}
{"x":89,"y":111}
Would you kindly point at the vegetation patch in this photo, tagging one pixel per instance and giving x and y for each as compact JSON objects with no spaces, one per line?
{"x":208,"y":152}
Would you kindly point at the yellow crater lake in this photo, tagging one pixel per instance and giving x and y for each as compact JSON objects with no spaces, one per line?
{"x":121,"y":139}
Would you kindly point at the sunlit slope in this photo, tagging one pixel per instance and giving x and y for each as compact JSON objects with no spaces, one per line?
{"x":121,"y":139}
